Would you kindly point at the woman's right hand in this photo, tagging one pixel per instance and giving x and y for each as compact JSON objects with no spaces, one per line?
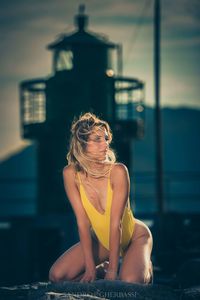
{"x":89,"y":275}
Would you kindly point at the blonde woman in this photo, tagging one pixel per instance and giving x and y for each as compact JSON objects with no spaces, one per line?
{"x":98,"y":190}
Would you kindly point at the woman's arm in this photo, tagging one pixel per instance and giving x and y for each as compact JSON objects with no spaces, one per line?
{"x":121,"y":189}
{"x":82,"y":222}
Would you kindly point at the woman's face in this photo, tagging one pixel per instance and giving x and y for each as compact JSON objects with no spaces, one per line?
{"x":98,"y":144}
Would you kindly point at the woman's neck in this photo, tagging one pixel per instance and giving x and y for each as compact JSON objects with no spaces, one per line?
{"x":98,"y":170}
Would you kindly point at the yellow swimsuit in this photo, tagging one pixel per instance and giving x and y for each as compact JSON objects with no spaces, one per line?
{"x":100,"y":222}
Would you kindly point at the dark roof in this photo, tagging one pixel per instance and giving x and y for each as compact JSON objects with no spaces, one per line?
{"x":81,"y":37}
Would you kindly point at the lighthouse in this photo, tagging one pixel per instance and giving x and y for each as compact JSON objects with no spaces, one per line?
{"x":86,"y":76}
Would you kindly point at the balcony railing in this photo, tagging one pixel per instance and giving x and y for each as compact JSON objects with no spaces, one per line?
{"x":129,"y":98}
{"x":33,"y":101}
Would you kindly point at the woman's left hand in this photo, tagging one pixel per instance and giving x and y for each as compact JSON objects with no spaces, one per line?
{"x":89,"y":275}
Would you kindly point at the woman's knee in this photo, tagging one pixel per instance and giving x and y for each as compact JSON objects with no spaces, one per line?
{"x":55,"y":275}
{"x":133,"y":278}
{"x":144,"y":276}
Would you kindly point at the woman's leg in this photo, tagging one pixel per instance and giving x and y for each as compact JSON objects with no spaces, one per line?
{"x":136,"y":266}
{"x":70,"y":264}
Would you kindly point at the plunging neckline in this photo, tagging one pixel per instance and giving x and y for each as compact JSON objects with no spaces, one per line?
{"x":90,"y":203}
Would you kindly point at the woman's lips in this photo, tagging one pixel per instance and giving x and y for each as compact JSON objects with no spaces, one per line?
{"x":104,"y":151}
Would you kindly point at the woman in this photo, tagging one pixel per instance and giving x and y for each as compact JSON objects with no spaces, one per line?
{"x":98,"y":190}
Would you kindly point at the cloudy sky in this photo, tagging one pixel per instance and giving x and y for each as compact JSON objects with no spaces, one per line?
{"x":27,"y":26}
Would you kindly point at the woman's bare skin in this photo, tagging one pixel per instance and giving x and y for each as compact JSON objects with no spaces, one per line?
{"x":89,"y":259}
{"x":136,"y":264}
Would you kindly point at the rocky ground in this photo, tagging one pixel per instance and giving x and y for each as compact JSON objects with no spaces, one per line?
{"x":100,"y":289}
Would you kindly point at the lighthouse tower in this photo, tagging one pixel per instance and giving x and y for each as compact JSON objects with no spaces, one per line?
{"x":86,"y":76}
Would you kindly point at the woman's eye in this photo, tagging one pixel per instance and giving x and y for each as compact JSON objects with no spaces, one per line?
{"x":106,"y":138}
{"x":97,"y":139}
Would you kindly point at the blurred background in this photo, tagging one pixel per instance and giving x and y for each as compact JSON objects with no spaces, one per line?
{"x":137,"y":65}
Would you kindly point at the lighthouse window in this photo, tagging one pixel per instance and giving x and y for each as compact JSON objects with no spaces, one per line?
{"x":64,"y":60}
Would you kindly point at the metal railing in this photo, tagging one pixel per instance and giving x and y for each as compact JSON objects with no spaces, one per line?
{"x":129,"y":98}
{"x":33,"y":101}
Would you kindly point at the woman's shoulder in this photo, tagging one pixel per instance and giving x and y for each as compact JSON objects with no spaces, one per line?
{"x":69,"y":170}
{"x":70,"y":175}
{"x":118,"y":170}
{"x":119,"y":167}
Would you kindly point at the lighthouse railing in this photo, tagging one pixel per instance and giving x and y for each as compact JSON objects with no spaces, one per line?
{"x":33,"y":101}
{"x":129,"y":98}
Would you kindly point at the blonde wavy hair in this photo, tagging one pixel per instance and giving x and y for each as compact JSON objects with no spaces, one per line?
{"x":80,"y":132}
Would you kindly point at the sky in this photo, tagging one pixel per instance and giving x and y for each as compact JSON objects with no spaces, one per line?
{"x":27,"y":26}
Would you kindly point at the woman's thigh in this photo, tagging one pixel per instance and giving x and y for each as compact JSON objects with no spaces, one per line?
{"x":136,"y":265}
{"x":71,"y":263}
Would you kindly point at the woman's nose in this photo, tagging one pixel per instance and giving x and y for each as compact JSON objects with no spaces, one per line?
{"x":105,"y":144}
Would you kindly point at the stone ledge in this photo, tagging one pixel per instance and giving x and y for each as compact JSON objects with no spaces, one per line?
{"x":100,"y":289}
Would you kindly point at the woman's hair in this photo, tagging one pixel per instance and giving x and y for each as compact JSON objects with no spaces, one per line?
{"x":80,"y":132}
